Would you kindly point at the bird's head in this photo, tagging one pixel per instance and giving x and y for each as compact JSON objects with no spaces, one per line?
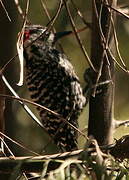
{"x":39,"y":33}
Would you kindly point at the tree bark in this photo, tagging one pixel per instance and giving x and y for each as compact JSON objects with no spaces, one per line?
{"x":101,"y":106}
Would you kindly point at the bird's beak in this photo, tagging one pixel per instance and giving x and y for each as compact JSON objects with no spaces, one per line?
{"x":59,"y":35}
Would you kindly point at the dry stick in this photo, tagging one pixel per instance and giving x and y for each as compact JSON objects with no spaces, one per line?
{"x":29,"y":112}
{"x":119,"y":123}
{"x":24,"y":106}
{"x":24,"y":175}
{"x":101,"y":64}
{"x":51,"y":23}
{"x":61,"y":155}
{"x":37,"y":162}
{"x":77,"y":36}
{"x":116,"y":10}
{"x":49,"y":18}
{"x":26,"y":11}
{"x":20,"y":46}
{"x":123,"y":66}
{"x":20,"y":145}
{"x":108,"y":50}
{"x":81,"y":16}
{"x":46,"y":11}
{"x":5,"y":10}
{"x":20,"y":9}
{"x":2,"y":118}
{"x":8,"y":149}
{"x":117,"y":47}
{"x":29,"y":165}
{"x":117,"y":63}
{"x":117,"y":44}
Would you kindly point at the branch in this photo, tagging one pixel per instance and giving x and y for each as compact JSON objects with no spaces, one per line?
{"x":26,"y":108}
{"x":78,"y":37}
{"x":35,"y":164}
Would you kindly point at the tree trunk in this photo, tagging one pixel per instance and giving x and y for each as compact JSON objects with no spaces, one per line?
{"x":101,"y":104}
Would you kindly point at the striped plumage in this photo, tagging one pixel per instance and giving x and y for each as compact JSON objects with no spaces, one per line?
{"x":53,"y":83}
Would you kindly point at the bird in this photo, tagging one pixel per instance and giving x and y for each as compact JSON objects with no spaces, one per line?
{"x":53,"y":83}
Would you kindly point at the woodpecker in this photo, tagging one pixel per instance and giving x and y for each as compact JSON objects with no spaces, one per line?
{"x":53,"y":83}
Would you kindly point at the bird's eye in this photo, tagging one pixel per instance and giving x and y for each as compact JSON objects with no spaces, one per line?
{"x":26,"y":35}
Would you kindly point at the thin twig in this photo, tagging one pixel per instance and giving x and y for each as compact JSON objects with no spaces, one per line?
{"x":19,"y":144}
{"x":20,"y":46}
{"x":78,"y":37}
{"x":117,"y":45}
{"x":29,"y":112}
{"x":19,"y":8}
{"x":22,"y":14}
{"x":117,"y":63}
{"x":98,"y":17}
{"x":45,"y":10}
{"x":108,"y":50}
{"x":2,"y":110}
{"x":116,"y":10}
{"x":5,"y":10}
{"x":8,"y":149}
{"x":65,"y":154}
{"x":80,"y":15}
{"x":119,"y":123}
{"x":51,"y":23}
{"x":49,"y":18}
